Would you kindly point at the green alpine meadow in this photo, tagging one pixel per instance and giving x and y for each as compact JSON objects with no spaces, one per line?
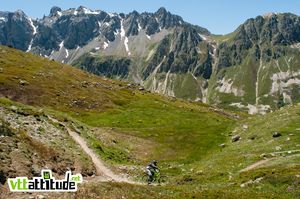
{"x":148,"y":104}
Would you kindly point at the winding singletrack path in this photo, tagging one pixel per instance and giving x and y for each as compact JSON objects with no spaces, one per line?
{"x":103,"y":171}
{"x":255,"y":165}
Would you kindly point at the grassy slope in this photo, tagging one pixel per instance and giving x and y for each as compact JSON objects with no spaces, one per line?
{"x":244,"y":77}
{"x":106,"y":103}
{"x":218,"y":175}
{"x":184,"y":136}
{"x":175,"y":132}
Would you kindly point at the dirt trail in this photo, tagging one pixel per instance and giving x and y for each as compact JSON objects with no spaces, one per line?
{"x":255,"y":165}
{"x":103,"y":172}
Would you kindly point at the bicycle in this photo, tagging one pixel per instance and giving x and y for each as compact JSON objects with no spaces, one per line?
{"x":157,"y":178}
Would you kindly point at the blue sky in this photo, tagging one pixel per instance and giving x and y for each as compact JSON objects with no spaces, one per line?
{"x":218,"y":16}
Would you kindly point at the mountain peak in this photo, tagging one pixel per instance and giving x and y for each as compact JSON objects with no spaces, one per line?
{"x":54,"y":10}
{"x":20,"y":12}
{"x":84,"y":10}
{"x":270,"y":14}
{"x":135,"y":13}
{"x":161,"y":10}
{"x":81,"y":8}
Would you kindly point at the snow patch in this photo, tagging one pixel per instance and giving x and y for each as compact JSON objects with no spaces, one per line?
{"x":226,"y":86}
{"x":91,"y":12}
{"x":99,"y":26}
{"x":126,"y":46}
{"x":97,"y":48}
{"x":61,"y":45}
{"x":59,"y":13}
{"x":122,"y":30}
{"x":50,"y":56}
{"x":67,"y":53}
{"x":111,"y":14}
{"x":148,"y":36}
{"x":203,"y":37}
{"x":33,"y":27}
{"x":252,"y":109}
{"x":30,"y":46}
{"x":158,"y":23}
{"x":139,"y":27}
{"x":105,"y":45}
{"x":125,"y":40}
{"x":2,"y":19}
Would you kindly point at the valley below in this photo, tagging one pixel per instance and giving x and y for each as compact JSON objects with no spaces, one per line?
{"x":108,"y":131}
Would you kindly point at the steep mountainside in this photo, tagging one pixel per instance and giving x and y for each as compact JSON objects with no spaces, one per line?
{"x":158,"y":49}
{"x":255,"y":68}
{"x":258,"y":67}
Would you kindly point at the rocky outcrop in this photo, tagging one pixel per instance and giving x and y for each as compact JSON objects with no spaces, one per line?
{"x":260,"y":33}
{"x":179,"y":53}
{"x":30,"y":142}
{"x":110,"y":67}
{"x":76,"y":27}
{"x":257,"y":65}
{"x":16,"y":29}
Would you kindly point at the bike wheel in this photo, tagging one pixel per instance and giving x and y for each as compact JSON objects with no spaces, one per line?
{"x":162,"y":179}
{"x":145,"y":178}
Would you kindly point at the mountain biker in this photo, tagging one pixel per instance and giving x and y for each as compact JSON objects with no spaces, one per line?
{"x":151,"y":169}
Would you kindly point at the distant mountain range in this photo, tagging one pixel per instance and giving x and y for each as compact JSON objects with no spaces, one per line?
{"x":255,"y":68}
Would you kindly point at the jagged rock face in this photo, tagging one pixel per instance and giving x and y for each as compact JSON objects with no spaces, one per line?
{"x":254,"y":68}
{"x":258,"y":67}
{"x":128,"y":46}
{"x":260,"y":32}
{"x":110,"y":66}
{"x":77,"y":27}
{"x":179,"y":53}
{"x":15,"y":29}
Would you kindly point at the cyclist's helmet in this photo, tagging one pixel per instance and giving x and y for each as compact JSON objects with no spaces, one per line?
{"x":154,"y":162}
